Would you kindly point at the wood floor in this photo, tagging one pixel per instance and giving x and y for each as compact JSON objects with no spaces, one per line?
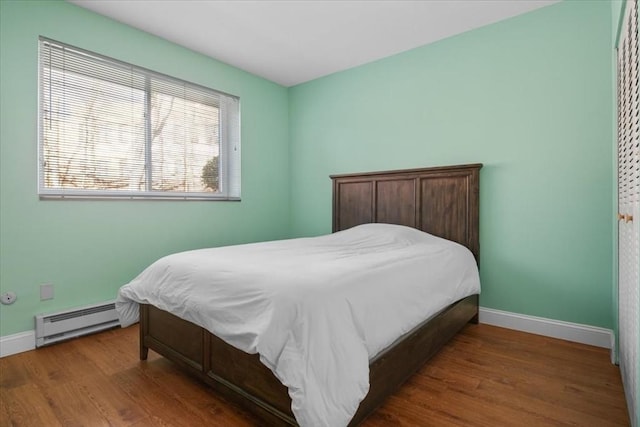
{"x":486,"y":376}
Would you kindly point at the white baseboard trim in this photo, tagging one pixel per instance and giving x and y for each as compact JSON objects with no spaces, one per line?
{"x":584,"y":334}
{"x":591,"y":335}
{"x":17,"y":343}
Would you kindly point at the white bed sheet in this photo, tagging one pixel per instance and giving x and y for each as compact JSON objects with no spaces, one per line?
{"x":315,"y":309}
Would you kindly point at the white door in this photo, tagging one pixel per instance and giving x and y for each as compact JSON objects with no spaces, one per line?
{"x":628,"y":206}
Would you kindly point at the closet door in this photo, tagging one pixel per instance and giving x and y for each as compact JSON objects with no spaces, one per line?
{"x":628,"y":206}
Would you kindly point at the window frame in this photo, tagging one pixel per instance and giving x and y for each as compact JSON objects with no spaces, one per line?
{"x":229,"y":140}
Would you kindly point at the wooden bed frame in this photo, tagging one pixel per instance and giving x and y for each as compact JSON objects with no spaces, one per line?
{"x":442,"y":201}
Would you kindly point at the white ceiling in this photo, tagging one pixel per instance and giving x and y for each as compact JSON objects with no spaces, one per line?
{"x":294,"y":41}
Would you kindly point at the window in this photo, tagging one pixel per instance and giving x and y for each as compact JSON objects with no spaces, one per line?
{"x":111,"y":129}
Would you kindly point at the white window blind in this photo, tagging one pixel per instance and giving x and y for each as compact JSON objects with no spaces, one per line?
{"x":629,"y":207}
{"x":111,"y":129}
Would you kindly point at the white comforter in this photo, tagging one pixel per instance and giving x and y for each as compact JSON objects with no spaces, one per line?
{"x":315,"y":309}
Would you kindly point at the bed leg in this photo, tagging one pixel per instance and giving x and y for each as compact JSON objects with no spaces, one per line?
{"x":144,"y":352}
{"x":475,"y":320}
{"x":144,"y":330}
{"x":476,"y":308}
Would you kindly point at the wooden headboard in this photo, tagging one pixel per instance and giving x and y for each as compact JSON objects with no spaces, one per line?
{"x":443,"y":201}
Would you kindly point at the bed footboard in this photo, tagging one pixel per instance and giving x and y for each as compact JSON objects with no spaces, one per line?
{"x":242,"y":379}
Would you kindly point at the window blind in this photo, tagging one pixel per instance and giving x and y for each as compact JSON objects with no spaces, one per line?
{"x":112,"y":129}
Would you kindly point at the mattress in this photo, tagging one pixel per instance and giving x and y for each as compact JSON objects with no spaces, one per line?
{"x":315,"y":309}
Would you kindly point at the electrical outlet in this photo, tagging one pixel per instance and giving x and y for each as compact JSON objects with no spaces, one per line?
{"x":46,"y":291}
{"x":8,"y":298}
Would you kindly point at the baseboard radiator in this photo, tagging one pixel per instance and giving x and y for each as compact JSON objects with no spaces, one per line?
{"x":63,"y":325}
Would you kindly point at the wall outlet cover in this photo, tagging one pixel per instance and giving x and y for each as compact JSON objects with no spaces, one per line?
{"x":8,"y":298}
{"x":46,"y":291}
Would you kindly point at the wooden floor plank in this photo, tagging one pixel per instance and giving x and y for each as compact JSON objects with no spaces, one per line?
{"x":486,"y":376}
{"x":26,"y":405}
{"x":110,"y":401}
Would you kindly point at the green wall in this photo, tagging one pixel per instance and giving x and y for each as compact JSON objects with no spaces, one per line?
{"x":530,"y":97}
{"x":88,"y":249}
